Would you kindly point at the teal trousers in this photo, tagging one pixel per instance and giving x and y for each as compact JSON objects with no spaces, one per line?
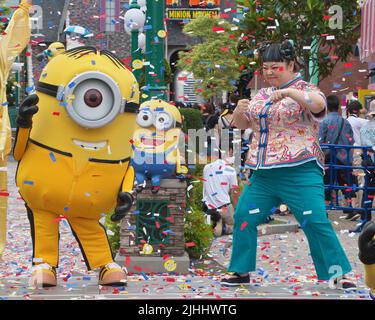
{"x":301,"y":188}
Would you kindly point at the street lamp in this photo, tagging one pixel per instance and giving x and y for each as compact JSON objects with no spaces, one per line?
{"x":155,"y":33}
{"x":134,"y":21}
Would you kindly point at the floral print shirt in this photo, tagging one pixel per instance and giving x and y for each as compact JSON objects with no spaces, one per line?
{"x":285,"y":133}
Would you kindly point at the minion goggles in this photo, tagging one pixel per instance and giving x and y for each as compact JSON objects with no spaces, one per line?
{"x":160,"y":119}
{"x":97,"y":99}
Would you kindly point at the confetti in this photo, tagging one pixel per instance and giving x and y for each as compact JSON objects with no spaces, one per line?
{"x":243,"y":225}
{"x":190,"y":244}
{"x":52,"y":156}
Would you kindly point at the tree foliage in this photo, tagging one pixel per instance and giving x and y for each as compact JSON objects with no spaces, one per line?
{"x":214,"y":61}
{"x":4,"y":10}
{"x":302,"y":21}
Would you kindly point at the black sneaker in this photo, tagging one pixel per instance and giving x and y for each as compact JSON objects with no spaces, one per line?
{"x":236,"y":280}
{"x":345,"y":284}
{"x":353,"y":216}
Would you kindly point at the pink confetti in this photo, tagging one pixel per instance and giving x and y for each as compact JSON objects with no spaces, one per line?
{"x":243,"y":225}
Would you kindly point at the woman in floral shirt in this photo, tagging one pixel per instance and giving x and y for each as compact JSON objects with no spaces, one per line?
{"x":288,"y":168}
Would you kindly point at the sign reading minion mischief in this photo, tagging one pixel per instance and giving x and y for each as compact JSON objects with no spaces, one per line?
{"x":182,"y":14}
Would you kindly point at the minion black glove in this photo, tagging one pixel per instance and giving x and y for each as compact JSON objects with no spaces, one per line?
{"x":124,"y":204}
{"x":26,"y":111}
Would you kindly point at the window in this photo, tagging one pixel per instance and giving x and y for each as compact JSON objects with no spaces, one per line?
{"x":110,"y":16}
{"x":109,"y":13}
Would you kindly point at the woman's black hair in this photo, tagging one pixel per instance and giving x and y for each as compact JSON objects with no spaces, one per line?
{"x":278,"y":52}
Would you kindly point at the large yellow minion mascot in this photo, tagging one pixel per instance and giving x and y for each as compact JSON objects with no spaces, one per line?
{"x":12,"y":42}
{"x":155,"y":144}
{"x":367,"y":255}
{"x":74,"y":157}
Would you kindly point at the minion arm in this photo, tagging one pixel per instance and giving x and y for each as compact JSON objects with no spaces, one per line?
{"x":128,"y":182}
{"x":20,"y":145}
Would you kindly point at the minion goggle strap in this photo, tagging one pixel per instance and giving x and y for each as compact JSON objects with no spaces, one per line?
{"x":92,"y":99}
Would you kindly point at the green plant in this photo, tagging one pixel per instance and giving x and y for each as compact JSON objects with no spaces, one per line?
{"x":214,"y":61}
{"x":198,"y":231}
{"x":195,"y":195}
{"x":308,"y":25}
{"x":4,"y":10}
{"x":114,"y":236}
{"x":192,"y":119}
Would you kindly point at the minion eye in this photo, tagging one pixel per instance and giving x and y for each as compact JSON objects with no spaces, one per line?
{"x":164,"y":121}
{"x":93,"y":99}
{"x":145,"y":118}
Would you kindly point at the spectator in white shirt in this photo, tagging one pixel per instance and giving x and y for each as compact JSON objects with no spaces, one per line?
{"x":220,"y":193}
{"x":354,"y":109}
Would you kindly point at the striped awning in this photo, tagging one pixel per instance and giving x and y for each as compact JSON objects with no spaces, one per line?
{"x":367,"y":43}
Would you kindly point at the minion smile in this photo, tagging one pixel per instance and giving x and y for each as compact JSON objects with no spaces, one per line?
{"x":152,"y":141}
{"x":90,"y":145}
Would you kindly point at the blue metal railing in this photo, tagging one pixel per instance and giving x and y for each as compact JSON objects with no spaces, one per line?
{"x":342,"y":165}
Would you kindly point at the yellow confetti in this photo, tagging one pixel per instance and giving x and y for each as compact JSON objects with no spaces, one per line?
{"x":183,"y":286}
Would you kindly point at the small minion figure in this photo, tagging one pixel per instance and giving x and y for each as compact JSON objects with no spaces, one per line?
{"x":73,"y":149}
{"x":155,"y":144}
{"x":53,"y":50}
{"x":366,"y":242}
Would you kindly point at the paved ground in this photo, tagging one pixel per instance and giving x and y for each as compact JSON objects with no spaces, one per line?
{"x":285,"y":268}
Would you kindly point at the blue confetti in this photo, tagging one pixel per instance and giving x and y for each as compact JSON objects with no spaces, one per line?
{"x":66,"y":209}
{"x":85,"y":278}
{"x":71,"y":85}
{"x":158,"y":109}
{"x":147,"y":27}
{"x":4,"y":104}
{"x":52,"y":156}
{"x":63,"y":104}
{"x":28,"y":182}
{"x":273,"y":210}
{"x":93,"y":62}
{"x":29,"y":89}
{"x":144,"y":276}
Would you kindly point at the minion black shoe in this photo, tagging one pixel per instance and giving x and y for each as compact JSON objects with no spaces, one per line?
{"x":236,"y":280}
{"x":112,"y":275}
{"x":43,"y":276}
